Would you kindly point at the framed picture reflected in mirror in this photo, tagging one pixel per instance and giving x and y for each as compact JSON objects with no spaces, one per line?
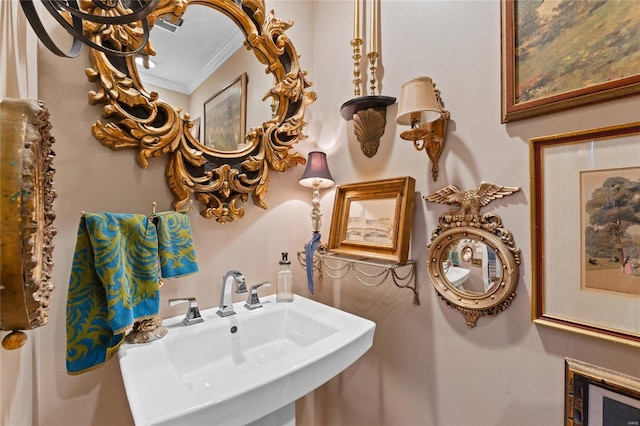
{"x":225,"y":117}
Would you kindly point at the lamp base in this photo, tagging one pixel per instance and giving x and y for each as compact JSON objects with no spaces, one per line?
{"x":430,"y":137}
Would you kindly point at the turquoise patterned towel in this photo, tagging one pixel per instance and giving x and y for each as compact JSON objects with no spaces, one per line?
{"x":113,"y":283}
{"x":175,"y":244}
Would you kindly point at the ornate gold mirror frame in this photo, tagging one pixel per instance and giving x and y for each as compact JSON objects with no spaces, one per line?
{"x":137,"y":119}
{"x":26,"y":202}
{"x":465,"y":224}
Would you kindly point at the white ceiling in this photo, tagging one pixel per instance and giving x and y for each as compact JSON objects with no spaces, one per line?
{"x":185,"y":59}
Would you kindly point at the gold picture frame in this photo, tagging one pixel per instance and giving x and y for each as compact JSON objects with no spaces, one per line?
{"x":569,"y":262}
{"x":195,"y":129}
{"x":373,"y":219}
{"x":597,"y":396}
{"x":561,"y":62}
{"x":225,"y":117}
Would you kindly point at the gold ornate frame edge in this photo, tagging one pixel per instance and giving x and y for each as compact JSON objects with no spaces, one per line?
{"x":27,"y":214}
{"x":577,"y":372}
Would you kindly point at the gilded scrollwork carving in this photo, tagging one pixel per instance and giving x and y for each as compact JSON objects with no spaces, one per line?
{"x":136,"y":119}
{"x":484,"y":283}
{"x":26,"y":202}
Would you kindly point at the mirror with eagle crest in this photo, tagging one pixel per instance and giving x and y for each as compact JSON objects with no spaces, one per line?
{"x":472,"y":259}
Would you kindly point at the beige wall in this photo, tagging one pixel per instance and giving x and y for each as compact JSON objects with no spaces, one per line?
{"x":426,"y":367}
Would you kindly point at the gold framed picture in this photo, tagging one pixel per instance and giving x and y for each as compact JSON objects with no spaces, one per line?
{"x":597,"y":396}
{"x":585,"y":215}
{"x":562,"y":54}
{"x":225,"y":117}
{"x":373,"y":219}
{"x":195,"y":129}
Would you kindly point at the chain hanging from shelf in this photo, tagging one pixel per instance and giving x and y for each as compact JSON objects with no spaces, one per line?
{"x":338,"y":267}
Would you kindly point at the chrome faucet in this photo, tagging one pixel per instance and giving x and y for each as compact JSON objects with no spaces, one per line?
{"x":253,"y":302}
{"x":226,"y":303}
{"x":193,"y":314}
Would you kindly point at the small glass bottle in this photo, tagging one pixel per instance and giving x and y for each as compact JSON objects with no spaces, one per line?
{"x":284,"y":281}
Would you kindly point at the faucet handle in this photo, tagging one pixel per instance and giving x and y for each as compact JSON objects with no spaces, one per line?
{"x":193,"y":313}
{"x":241,"y":285}
{"x":252,"y":301}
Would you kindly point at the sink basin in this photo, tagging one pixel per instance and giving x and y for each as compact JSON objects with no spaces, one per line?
{"x":457,"y":276}
{"x":239,"y":369}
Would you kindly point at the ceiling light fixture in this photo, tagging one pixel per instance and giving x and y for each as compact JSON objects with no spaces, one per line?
{"x":73,"y":19}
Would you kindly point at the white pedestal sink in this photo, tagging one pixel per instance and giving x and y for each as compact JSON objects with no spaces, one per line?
{"x":248,"y":367}
{"x":457,"y":276}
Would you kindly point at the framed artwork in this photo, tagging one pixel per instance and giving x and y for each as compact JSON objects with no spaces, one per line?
{"x":596,"y":396}
{"x":225,"y":117}
{"x":585,"y":215}
{"x":560,"y":54}
{"x":195,"y":130}
{"x":373,"y":219}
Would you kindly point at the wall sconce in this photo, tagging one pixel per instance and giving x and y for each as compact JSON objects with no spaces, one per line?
{"x":316,"y":176}
{"x":421,"y":107}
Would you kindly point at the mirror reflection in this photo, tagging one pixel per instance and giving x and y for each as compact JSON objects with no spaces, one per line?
{"x":189,"y":50}
{"x":471,"y":266}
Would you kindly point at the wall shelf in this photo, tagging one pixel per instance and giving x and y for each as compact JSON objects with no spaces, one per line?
{"x":368,"y":272}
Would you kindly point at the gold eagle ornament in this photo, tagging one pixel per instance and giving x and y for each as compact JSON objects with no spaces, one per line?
{"x":469,"y":202}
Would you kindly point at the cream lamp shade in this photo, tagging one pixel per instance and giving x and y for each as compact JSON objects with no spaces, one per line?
{"x":418,"y":102}
{"x":317,"y":171}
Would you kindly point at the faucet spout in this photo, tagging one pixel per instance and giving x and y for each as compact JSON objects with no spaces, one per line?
{"x":226,"y":302}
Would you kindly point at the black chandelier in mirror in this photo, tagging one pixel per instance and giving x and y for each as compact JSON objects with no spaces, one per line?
{"x":107,"y":13}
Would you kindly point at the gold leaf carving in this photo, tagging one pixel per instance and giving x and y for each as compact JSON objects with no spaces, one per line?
{"x":368,"y":126}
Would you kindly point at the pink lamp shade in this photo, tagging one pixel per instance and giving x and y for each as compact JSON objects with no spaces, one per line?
{"x":317,"y":171}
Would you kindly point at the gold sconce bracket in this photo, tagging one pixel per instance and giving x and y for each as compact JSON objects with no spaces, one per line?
{"x":369,"y":115}
{"x":431,"y":137}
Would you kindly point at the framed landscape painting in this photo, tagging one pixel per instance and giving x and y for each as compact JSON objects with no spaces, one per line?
{"x":560,"y":54}
{"x":373,"y":219}
{"x":225,"y":117}
{"x":585,"y":214}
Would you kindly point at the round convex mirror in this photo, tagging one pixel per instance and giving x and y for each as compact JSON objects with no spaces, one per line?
{"x":471,"y":266}
{"x":474,"y":271}
{"x":472,"y":260}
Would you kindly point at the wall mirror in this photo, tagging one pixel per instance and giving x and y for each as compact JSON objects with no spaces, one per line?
{"x":134,"y":118}
{"x":472,"y":260}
